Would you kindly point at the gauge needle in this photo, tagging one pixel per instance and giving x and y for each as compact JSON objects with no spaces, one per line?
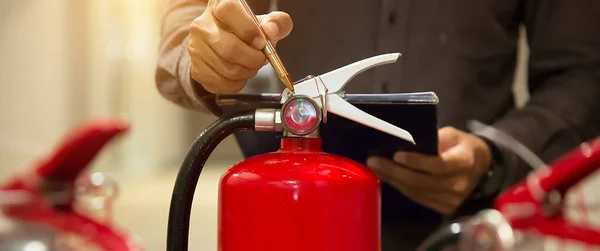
{"x":270,"y":52}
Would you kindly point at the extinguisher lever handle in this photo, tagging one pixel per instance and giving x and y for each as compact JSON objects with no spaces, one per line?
{"x":337,"y":79}
{"x":337,"y":105}
{"x":79,"y":148}
{"x":324,"y":90}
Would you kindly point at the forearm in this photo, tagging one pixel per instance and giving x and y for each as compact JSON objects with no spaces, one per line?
{"x":555,"y":121}
{"x":564,"y":83}
{"x":560,"y":116}
{"x":172,"y":74}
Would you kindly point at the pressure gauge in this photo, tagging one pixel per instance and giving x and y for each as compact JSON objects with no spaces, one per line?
{"x":300,"y":115}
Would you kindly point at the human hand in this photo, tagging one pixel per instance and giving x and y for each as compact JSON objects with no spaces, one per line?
{"x":226,"y":45}
{"x":442,"y":182}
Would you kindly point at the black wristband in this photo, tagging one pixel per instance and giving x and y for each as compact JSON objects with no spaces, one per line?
{"x":491,"y":182}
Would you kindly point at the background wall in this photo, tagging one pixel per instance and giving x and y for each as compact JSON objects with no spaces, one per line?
{"x":37,"y":44}
{"x":65,"y":61}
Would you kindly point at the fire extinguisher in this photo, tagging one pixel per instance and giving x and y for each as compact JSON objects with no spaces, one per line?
{"x":298,"y":198}
{"x":57,"y":205}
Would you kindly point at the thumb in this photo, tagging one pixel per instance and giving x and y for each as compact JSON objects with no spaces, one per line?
{"x":277,"y":25}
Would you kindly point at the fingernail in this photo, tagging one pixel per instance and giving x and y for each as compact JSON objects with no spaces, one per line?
{"x":258,"y":43}
{"x":266,"y":62}
{"x":400,"y":157}
{"x":373,"y":162}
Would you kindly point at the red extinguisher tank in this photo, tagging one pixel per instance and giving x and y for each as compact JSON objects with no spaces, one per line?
{"x":298,"y":199}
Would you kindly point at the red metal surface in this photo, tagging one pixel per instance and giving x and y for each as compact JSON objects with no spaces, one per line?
{"x":57,"y":174}
{"x":524,"y":208}
{"x":299,"y":199}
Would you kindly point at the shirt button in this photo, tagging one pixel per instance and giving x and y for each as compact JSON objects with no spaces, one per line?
{"x":392,"y":18}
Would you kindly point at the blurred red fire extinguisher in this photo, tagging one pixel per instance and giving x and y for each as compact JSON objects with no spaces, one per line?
{"x":56,"y":205}
{"x":298,"y":198}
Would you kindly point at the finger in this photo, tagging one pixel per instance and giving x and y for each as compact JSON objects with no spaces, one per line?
{"x":429,"y":164}
{"x":454,"y":185}
{"x":214,"y":82}
{"x":411,"y":178}
{"x":228,"y":69}
{"x":444,"y":198}
{"x":460,"y":157}
{"x":227,"y":45}
{"x":415,"y":179}
{"x":447,"y":137}
{"x":277,"y":25}
{"x":429,"y":200}
{"x":233,"y":17}
{"x":419,"y":180}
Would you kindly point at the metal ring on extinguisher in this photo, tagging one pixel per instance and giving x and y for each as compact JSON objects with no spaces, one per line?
{"x":300,"y":115}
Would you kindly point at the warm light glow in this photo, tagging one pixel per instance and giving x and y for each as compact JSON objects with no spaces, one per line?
{"x":35,"y":246}
{"x":455,"y":228}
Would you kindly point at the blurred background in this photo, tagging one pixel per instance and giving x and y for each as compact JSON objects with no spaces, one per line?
{"x":65,"y":61}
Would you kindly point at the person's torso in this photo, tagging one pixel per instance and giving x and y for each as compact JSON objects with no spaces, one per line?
{"x":463,"y":50}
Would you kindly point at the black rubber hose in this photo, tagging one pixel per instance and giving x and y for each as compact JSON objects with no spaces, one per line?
{"x":189,"y":173}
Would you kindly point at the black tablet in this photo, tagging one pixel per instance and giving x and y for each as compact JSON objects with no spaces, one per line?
{"x":414,"y":112}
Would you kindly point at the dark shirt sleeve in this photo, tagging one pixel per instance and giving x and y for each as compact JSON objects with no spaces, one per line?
{"x":172,"y":73}
{"x":564,"y":83}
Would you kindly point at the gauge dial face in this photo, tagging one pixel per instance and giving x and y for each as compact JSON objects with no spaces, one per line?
{"x":300,"y":115}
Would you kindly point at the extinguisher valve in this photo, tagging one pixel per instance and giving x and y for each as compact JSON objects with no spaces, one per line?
{"x":268,"y":119}
{"x":301,"y":116}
